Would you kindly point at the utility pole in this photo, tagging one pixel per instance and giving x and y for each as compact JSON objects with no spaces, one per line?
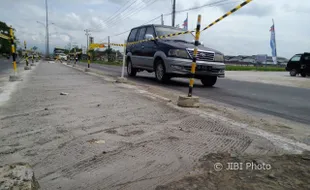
{"x":87,"y":35}
{"x":173,"y":13}
{"x":47,"y":33}
{"x":162,"y":19}
{"x":109,"y":48}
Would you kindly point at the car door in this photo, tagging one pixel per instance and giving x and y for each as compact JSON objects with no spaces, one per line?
{"x":140,"y":48}
{"x":294,"y":62}
{"x":307,"y":63}
{"x":150,"y":48}
{"x":132,"y":48}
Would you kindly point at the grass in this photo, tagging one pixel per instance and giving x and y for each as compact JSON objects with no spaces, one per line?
{"x":104,"y":62}
{"x":253,"y":68}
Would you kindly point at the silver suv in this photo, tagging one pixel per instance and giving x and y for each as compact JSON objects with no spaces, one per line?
{"x":171,"y":57}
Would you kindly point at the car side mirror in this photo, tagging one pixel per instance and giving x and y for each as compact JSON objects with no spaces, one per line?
{"x":149,"y":36}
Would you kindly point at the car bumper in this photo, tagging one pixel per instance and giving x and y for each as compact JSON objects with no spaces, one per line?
{"x":182,"y":67}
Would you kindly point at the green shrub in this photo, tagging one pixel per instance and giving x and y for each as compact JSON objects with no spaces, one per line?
{"x":253,"y":68}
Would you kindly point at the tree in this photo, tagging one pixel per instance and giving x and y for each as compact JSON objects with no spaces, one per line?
{"x":5,"y":46}
{"x":75,"y":49}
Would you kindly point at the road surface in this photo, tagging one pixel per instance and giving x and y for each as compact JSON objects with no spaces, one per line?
{"x":285,"y":102}
{"x":6,"y":65}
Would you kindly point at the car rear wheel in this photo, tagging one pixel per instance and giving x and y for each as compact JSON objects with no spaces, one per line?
{"x":130,"y":70}
{"x":160,"y":72}
{"x":209,"y":81}
{"x":293,"y":72}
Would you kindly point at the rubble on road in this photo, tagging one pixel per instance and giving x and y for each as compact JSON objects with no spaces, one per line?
{"x":19,"y":176}
{"x":64,"y":93}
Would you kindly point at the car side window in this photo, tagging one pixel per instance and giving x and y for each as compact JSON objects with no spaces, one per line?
{"x":296,"y":58}
{"x":141,"y":33}
{"x":150,"y":30}
{"x":132,"y":35}
{"x":307,"y":58}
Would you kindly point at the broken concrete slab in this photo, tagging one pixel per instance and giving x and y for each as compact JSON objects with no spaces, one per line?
{"x":64,"y":93}
{"x":14,"y":78}
{"x":190,"y":102}
{"x":27,"y":68}
{"x":121,"y":79}
{"x":18,"y":176}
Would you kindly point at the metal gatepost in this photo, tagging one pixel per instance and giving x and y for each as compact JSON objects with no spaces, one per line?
{"x":26,"y":54}
{"x":193,"y":68}
{"x":124,"y":59}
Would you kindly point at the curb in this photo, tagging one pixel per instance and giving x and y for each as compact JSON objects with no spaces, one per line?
{"x":124,"y":83}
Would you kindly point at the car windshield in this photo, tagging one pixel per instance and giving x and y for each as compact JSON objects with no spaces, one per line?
{"x":166,"y":30}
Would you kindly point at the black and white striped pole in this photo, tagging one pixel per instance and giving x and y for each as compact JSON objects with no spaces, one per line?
{"x":189,"y":100}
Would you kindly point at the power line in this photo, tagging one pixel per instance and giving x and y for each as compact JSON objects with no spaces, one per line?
{"x":112,"y":18}
{"x":131,"y":12}
{"x":148,"y":4}
{"x":117,"y":12}
{"x":213,"y":4}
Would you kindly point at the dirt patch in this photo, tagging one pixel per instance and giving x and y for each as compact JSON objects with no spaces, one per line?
{"x":96,"y":141}
{"x":131,"y":133}
{"x":111,"y":131}
{"x":224,"y":171}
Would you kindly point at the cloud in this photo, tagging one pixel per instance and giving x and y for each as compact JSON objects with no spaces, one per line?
{"x":252,"y":9}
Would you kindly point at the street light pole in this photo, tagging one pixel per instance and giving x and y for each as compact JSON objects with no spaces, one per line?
{"x":173,"y":12}
{"x":47,"y":33}
{"x":87,"y":35}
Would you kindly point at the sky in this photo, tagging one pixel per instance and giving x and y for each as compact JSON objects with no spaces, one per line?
{"x":246,"y":32}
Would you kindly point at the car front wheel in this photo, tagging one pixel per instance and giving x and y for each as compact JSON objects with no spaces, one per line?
{"x":130,"y":70}
{"x":209,"y":81}
{"x":160,"y":72}
{"x":293,"y":72}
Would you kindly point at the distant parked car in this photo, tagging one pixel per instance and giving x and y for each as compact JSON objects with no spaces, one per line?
{"x":63,"y":56}
{"x":171,"y":57}
{"x":299,"y":64}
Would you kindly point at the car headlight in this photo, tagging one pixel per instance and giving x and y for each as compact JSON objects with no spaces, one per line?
{"x":219,"y":58}
{"x":181,"y":53}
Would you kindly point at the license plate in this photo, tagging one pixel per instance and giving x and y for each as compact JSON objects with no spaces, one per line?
{"x":204,"y":67}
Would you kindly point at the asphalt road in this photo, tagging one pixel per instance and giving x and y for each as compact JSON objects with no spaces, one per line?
{"x":6,"y":65}
{"x":281,"y":101}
